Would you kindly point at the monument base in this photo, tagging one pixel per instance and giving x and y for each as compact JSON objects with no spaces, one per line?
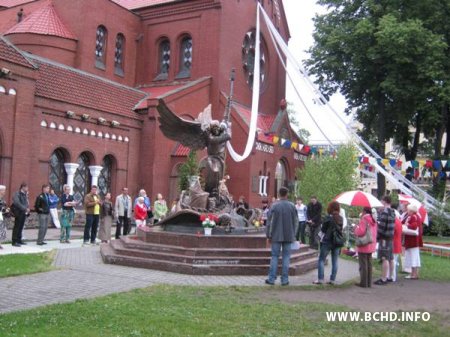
{"x":197,"y":254}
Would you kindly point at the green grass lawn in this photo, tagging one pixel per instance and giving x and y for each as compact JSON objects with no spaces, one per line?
{"x":192,"y":311}
{"x":19,"y":264}
{"x":436,"y":239}
{"x":434,"y":268}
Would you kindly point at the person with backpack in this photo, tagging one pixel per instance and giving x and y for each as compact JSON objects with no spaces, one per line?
{"x":385,"y":236}
{"x":331,"y":240}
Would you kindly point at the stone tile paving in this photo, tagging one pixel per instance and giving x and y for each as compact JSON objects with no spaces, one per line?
{"x":82,"y":274}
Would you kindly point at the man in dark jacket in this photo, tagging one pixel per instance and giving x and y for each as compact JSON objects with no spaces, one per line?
{"x":280,"y":231}
{"x":21,"y":210}
{"x":42,"y":207}
{"x":314,"y":214}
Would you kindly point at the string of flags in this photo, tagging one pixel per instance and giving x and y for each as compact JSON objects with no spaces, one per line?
{"x":425,"y":168}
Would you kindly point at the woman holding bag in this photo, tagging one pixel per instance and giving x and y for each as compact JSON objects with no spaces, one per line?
{"x":366,"y":243}
{"x":413,"y":241}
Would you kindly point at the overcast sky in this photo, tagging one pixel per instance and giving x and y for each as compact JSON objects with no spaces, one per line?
{"x":299,"y":15}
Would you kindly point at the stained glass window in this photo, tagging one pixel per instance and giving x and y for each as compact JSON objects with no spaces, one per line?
{"x":185,"y":57}
{"x":164,"y":59}
{"x":57,"y":173}
{"x":82,"y":179}
{"x":100,"y":47}
{"x":104,"y":179}
{"x":118,"y":54}
{"x":248,"y":58}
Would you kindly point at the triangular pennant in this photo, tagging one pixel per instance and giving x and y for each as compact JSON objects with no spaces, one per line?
{"x":415,"y":163}
{"x":306,"y":149}
{"x":385,"y":161}
{"x":282,"y":141}
{"x":365,"y":160}
{"x":276,"y":139}
{"x":287,"y":144}
{"x":437,"y":164}
{"x":300,"y":146}
{"x":422,"y":162}
{"x":393,"y":162}
{"x":429,"y":164}
{"x":444,"y":163}
{"x":294,"y":145}
{"x":321,"y":151}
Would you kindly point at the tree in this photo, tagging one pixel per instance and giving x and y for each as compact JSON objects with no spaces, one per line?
{"x":188,"y":169}
{"x":389,"y":64}
{"x":327,"y":176}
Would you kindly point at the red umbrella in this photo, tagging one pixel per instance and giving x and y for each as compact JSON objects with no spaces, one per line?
{"x":358,"y":198}
{"x":407,"y":199}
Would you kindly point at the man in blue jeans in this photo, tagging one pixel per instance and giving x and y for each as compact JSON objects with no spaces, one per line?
{"x":280,"y":231}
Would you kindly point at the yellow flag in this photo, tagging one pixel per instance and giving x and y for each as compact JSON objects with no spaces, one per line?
{"x":294,"y":145}
{"x":276,"y":139}
{"x":385,"y":162}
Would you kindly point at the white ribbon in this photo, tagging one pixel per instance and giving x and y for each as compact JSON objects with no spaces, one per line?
{"x":255,"y":100}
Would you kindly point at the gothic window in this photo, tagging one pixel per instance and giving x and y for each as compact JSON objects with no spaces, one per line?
{"x":104,"y":180}
{"x":57,"y":173}
{"x":185,"y":57}
{"x":82,"y":179}
{"x":164,"y":59}
{"x":118,"y":54}
{"x":100,"y":47}
{"x":248,"y":58}
{"x":280,"y":176}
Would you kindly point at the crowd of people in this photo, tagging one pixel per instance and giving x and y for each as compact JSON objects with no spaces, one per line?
{"x":100,"y":213}
{"x":386,"y":232}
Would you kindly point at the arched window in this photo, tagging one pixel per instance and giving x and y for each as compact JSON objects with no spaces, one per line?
{"x":82,"y":179}
{"x":118,"y":54}
{"x":185,"y":57}
{"x":104,"y":180}
{"x":100,"y":47}
{"x":164,"y":60}
{"x":57,"y":174}
{"x":280,"y":176}
{"x":248,"y":58}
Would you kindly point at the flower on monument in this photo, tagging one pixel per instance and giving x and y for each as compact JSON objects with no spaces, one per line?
{"x":208,"y":222}
{"x":203,"y":217}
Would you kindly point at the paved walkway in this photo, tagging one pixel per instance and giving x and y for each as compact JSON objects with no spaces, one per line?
{"x":82,"y":274}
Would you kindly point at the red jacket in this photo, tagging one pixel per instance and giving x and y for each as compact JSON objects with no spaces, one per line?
{"x":411,"y":241}
{"x":397,"y":242}
{"x":360,"y":230}
{"x":140,"y":212}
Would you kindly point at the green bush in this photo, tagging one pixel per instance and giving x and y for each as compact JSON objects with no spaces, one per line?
{"x":188,"y":169}
{"x":328,"y":176}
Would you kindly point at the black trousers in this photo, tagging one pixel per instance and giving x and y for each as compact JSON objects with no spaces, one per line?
{"x":90,"y":228}
{"x":314,"y":236}
{"x":365,"y":269}
{"x":300,"y":235}
{"x":19,"y":223}
{"x":125,"y":222}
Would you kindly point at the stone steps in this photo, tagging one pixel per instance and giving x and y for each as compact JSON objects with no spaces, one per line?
{"x":200,"y":255}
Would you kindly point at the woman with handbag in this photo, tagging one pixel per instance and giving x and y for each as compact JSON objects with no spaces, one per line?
{"x":413,"y":241}
{"x":331,"y":240}
{"x":366,"y":243}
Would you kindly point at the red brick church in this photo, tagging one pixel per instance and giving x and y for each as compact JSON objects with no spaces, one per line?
{"x":80,"y":81}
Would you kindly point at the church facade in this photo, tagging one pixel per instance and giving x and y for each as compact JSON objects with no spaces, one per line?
{"x":80,"y":82}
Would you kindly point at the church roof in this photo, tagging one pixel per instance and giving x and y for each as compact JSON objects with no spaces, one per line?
{"x":13,"y":3}
{"x":44,"y":21}
{"x":66,"y":84}
{"x":10,"y":53}
{"x":135,"y":4}
{"x":264,"y":122}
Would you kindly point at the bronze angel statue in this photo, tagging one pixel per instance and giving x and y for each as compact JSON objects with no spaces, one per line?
{"x":198,"y":134}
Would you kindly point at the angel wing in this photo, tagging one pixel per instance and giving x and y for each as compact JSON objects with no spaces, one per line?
{"x":205,"y":118}
{"x":188,"y":133}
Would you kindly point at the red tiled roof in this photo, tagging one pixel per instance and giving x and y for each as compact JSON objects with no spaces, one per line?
{"x":264,"y":121}
{"x":13,"y":3}
{"x":135,"y":4}
{"x":11,"y":54}
{"x":73,"y":86}
{"x":44,"y":21}
{"x":180,"y":150}
{"x":156,"y":92}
